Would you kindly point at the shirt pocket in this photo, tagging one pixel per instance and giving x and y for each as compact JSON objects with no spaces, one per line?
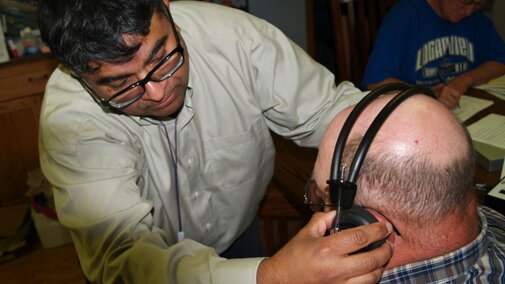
{"x":246,"y":158}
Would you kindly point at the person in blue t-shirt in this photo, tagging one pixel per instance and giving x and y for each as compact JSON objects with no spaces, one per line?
{"x":443,"y":44}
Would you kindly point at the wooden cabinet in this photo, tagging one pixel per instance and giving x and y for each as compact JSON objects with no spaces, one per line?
{"x":22,"y":84}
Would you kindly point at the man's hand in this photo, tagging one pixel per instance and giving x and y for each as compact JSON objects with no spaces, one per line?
{"x":312,"y":257}
{"x":450,"y":94}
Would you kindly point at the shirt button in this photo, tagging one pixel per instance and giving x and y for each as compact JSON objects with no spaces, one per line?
{"x":190,"y":161}
{"x":196,"y":195}
{"x":208,"y":226}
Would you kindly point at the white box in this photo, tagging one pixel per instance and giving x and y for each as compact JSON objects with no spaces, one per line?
{"x":4,"y":54}
{"x":51,"y":232}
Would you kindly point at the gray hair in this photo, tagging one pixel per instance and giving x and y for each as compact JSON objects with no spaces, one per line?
{"x":415,"y":189}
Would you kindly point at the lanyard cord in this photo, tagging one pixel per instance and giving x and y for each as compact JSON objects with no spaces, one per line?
{"x":173,"y":156}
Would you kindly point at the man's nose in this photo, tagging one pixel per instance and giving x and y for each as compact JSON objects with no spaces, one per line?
{"x":154,"y":91}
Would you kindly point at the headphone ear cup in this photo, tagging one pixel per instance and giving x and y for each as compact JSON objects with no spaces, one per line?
{"x":358,"y":216}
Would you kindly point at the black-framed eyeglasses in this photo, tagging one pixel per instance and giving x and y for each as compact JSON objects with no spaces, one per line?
{"x":162,"y":71}
{"x":315,"y":198}
{"x":478,"y":5}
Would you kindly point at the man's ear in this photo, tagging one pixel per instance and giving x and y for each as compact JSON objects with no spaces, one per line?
{"x":382,"y":218}
{"x":167,"y":3}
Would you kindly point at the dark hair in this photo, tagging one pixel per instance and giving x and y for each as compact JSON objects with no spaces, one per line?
{"x":83,"y":31}
{"x":416,"y":188}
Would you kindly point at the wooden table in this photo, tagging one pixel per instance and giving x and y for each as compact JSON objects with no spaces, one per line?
{"x":294,"y":163}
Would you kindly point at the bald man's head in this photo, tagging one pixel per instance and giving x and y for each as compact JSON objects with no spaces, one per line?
{"x":419,"y":166}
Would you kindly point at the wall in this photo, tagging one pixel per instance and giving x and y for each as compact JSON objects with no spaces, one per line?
{"x":497,"y":14}
{"x":287,"y":15}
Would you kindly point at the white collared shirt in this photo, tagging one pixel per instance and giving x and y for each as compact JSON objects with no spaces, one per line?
{"x":113,"y":175}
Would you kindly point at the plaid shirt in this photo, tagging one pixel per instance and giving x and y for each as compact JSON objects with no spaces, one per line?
{"x":481,"y":261}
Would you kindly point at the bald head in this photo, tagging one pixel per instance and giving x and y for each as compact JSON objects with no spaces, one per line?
{"x":418,"y":165}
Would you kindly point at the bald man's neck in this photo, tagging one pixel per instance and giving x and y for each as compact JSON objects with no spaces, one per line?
{"x":450,"y":233}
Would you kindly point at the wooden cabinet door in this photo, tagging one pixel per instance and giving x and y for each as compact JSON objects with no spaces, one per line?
{"x":19,"y":120}
{"x":22,"y":86}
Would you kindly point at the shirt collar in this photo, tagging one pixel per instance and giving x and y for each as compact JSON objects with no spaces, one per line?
{"x":441,"y":267}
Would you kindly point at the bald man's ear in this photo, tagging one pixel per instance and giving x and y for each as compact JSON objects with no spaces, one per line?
{"x":382,"y":218}
{"x":355,"y":217}
{"x":167,"y":3}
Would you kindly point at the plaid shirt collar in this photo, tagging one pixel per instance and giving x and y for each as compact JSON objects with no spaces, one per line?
{"x":446,"y":268}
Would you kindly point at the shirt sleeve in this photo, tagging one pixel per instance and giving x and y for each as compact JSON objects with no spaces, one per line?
{"x":297,"y":94}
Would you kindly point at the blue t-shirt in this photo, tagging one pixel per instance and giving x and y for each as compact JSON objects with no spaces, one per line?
{"x":417,"y":46}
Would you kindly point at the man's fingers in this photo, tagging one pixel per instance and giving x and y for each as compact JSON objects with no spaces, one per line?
{"x":449,"y":97}
{"x":372,"y":277}
{"x":447,"y":101}
{"x":371,"y":260}
{"x":438,"y":89}
{"x":331,"y":258}
{"x":366,"y":262}
{"x":351,"y":240}
{"x":320,"y":222}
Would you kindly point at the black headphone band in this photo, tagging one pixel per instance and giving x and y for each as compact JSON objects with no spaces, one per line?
{"x":343,"y":191}
{"x":379,"y":120}
{"x":335,"y":173}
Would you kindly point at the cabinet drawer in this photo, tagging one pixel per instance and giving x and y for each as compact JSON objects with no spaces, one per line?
{"x":25,"y":78}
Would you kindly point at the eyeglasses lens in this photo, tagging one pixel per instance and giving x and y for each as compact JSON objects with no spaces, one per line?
{"x":168,"y":68}
{"x":314,"y":197}
{"x":128,"y":97}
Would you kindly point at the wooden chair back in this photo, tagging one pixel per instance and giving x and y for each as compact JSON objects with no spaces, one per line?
{"x":355,"y":24}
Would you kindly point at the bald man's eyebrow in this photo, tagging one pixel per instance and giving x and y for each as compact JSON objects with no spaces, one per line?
{"x":152,"y":55}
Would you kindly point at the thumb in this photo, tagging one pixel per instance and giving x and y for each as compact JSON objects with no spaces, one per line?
{"x":320,"y":223}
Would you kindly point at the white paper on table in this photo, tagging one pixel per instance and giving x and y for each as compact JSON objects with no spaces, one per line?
{"x":499,"y":190}
{"x":468,"y":106}
{"x":495,"y":87}
{"x":489,"y":130}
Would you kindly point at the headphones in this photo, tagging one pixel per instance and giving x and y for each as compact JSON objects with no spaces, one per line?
{"x":343,"y":191}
